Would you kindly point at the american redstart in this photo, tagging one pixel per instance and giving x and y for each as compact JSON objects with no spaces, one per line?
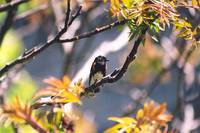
{"x":98,"y":70}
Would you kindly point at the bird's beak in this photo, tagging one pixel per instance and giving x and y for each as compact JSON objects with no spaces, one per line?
{"x":107,"y":60}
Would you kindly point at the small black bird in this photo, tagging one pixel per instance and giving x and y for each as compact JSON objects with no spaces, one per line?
{"x":98,"y":70}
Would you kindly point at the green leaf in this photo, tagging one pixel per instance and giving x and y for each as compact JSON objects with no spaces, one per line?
{"x":10,"y":49}
{"x":6,"y":129}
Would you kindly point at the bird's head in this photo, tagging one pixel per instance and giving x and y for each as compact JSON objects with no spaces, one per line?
{"x":101,"y":60}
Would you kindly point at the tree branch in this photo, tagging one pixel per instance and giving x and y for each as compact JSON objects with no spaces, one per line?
{"x":75,"y":15}
{"x":36,"y":50}
{"x":12,"y":5}
{"x":36,"y":125}
{"x":118,"y":73}
{"x":113,"y":77}
{"x":93,"y":32}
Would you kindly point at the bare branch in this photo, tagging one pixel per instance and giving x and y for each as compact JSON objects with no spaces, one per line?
{"x":93,"y":32}
{"x":36,"y":125}
{"x":118,"y":73}
{"x":75,"y":15}
{"x":66,"y":20}
{"x":12,"y":4}
{"x":67,"y":48}
{"x":67,"y":13}
{"x":36,"y":50}
{"x":180,"y":78}
{"x":113,"y":77}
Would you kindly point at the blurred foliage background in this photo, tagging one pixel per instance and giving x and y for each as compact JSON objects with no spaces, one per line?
{"x":150,"y":74}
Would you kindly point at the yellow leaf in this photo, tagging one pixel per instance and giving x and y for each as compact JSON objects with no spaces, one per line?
{"x":78,"y":88}
{"x":65,"y":97}
{"x":60,"y":91}
{"x":66,"y":81}
{"x":163,"y":118}
{"x":140,"y":114}
{"x":66,"y":100}
{"x":127,"y":3}
{"x":195,"y":3}
{"x":49,"y":91}
{"x":123,"y":120}
{"x":159,"y":110}
{"x":114,"y":129}
{"x":117,"y":3}
{"x":62,"y":84}
{"x":152,"y":118}
{"x":54,"y":82}
{"x":146,"y":109}
{"x":139,"y":20}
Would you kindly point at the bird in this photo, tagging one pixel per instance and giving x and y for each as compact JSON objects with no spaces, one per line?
{"x":98,"y":70}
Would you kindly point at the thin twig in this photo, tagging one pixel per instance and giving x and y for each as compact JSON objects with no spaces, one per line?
{"x":12,"y":4}
{"x":69,"y":58}
{"x":78,"y":12}
{"x":36,"y":125}
{"x":180,"y":80}
{"x":94,"y":32}
{"x":66,"y":20}
{"x":68,"y":12}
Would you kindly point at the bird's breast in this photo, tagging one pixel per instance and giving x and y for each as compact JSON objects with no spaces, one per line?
{"x":97,"y":76}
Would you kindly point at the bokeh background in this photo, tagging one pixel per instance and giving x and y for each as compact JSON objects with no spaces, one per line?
{"x":165,"y":70}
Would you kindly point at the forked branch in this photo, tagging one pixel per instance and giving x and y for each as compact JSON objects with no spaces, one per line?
{"x":57,"y":39}
{"x":118,"y":73}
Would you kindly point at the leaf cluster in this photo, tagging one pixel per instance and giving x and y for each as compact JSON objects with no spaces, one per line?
{"x":150,"y":119}
{"x":56,"y":118}
{"x":60,"y":91}
{"x":156,"y":15}
{"x":60,"y":117}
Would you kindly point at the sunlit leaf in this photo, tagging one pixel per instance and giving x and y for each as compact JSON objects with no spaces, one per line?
{"x":19,"y":112}
{"x":195,"y":3}
{"x":149,"y":119}
{"x":60,"y":91}
{"x":58,"y":83}
{"x":77,"y":88}
{"x":140,"y":114}
{"x":11,"y":48}
{"x":155,"y":14}
{"x":122,"y":120}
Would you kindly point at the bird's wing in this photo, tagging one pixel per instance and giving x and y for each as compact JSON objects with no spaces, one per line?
{"x":91,"y":72}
